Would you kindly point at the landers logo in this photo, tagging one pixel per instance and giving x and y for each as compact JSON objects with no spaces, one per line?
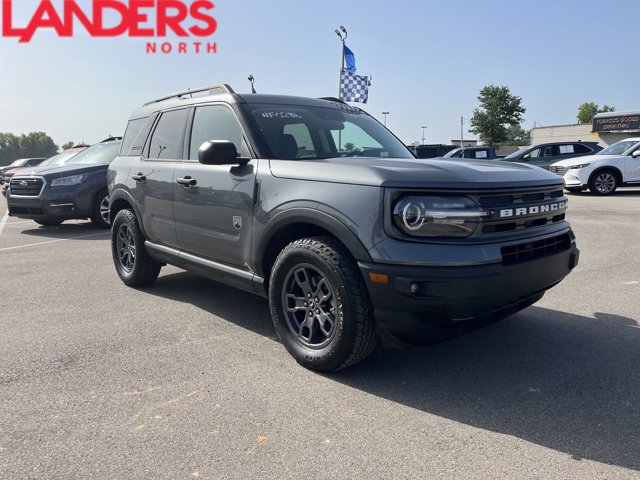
{"x":114,"y":18}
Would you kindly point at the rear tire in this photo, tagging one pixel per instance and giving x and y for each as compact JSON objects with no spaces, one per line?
{"x":320,"y":306}
{"x":132,"y":261}
{"x":603,"y":182}
{"x":100,"y":210}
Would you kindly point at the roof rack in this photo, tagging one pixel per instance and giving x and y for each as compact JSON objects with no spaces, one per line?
{"x":213,"y":90}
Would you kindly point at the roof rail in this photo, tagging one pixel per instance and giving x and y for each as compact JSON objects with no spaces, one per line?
{"x":213,"y":90}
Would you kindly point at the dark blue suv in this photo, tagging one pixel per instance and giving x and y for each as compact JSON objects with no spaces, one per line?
{"x":76,"y":190}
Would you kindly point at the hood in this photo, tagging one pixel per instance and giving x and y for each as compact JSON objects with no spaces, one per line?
{"x":589,"y":159}
{"x":57,"y":171}
{"x":416,"y":173}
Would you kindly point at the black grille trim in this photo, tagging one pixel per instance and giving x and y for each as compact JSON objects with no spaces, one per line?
{"x":528,"y":251}
{"x":32,"y":188}
{"x":26,"y":211}
{"x":495,"y":203}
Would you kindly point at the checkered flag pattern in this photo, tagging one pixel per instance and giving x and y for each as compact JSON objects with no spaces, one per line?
{"x":354,"y":88}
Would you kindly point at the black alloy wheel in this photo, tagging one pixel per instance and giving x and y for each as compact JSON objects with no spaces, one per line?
{"x":133,"y":263}
{"x":309,"y":305}
{"x":320,"y":306}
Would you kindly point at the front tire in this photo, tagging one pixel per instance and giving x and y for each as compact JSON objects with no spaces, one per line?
{"x":320,"y":306}
{"x":603,"y":182}
{"x":132,"y":261}
{"x":100,"y":211}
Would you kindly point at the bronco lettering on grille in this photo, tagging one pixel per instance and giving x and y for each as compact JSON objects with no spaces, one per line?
{"x":534,"y":210}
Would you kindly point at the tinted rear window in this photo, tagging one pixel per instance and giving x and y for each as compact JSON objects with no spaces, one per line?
{"x":134,"y":127}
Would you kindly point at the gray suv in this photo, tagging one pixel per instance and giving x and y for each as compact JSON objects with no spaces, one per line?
{"x":315,"y":205}
{"x":544,"y":154}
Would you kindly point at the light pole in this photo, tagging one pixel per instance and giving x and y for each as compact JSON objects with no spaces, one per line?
{"x":424,"y":127}
{"x":385,"y":117}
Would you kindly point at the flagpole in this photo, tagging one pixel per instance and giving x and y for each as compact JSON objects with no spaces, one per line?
{"x":343,"y":39}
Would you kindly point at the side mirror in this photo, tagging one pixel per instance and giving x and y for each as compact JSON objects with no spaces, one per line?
{"x":219,"y":152}
{"x":636,"y":154}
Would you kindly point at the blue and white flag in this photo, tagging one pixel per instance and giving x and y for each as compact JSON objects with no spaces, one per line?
{"x":354,"y":88}
{"x":349,"y":60}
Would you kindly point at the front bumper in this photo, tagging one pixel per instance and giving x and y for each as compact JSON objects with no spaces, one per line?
{"x":63,"y":203}
{"x":426,"y":304}
{"x":575,"y":178}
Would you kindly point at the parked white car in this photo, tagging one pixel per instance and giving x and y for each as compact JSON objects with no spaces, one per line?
{"x":616,"y":166}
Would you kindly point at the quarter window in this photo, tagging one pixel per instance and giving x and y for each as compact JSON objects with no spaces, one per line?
{"x":133,"y":130}
{"x":167,"y":137}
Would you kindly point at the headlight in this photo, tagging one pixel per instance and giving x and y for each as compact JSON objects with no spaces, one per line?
{"x":437,"y":216}
{"x":68,"y":181}
{"x":576,"y":167}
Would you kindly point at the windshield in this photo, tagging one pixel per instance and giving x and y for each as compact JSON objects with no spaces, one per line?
{"x":98,"y":154}
{"x":618,"y":148}
{"x":516,"y":154}
{"x":314,"y":132}
{"x":457,"y":153}
{"x":58,"y":159}
{"x":19,"y":163}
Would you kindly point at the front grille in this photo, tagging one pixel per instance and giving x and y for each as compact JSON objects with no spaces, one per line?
{"x":525,"y":252}
{"x":558,"y":170}
{"x":26,"y":187}
{"x":520,"y":211}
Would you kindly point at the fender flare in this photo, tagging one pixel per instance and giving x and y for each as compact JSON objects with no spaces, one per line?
{"x":124,"y":195}
{"x":307,"y":215}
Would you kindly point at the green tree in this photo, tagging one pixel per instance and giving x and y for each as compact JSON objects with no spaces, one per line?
{"x":9,"y":148}
{"x":498,"y":111}
{"x":34,"y":144}
{"x":588,"y":110}
{"x":518,"y":136}
{"x":67,"y":146}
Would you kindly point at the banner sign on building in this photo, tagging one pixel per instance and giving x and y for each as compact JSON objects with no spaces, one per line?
{"x":616,"y":123}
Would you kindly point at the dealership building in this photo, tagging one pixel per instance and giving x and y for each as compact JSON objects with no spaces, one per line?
{"x":606,"y":129}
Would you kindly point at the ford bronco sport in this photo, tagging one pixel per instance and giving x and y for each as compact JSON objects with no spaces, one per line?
{"x":317,"y":206}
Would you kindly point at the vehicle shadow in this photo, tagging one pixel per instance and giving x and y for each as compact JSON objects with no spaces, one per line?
{"x":562,"y":381}
{"x":621,"y":192}
{"x":77,"y":230}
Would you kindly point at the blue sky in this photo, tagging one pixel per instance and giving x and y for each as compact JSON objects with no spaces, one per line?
{"x":428,"y":59}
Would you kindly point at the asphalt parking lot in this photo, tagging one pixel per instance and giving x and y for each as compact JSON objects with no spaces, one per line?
{"x":185,"y":379}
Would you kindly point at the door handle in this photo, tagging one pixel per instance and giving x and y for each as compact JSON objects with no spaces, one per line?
{"x":139,"y":177}
{"x":187,"y":181}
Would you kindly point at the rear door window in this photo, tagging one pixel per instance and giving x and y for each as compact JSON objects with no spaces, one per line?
{"x":166,"y":141}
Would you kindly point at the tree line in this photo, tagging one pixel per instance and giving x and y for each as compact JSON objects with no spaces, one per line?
{"x":498,"y":119}
{"x":34,"y":144}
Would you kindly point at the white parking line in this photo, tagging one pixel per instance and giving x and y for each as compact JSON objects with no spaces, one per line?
{"x":51,"y":241}
{"x":3,"y":222}
{"x":14,"y":222}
